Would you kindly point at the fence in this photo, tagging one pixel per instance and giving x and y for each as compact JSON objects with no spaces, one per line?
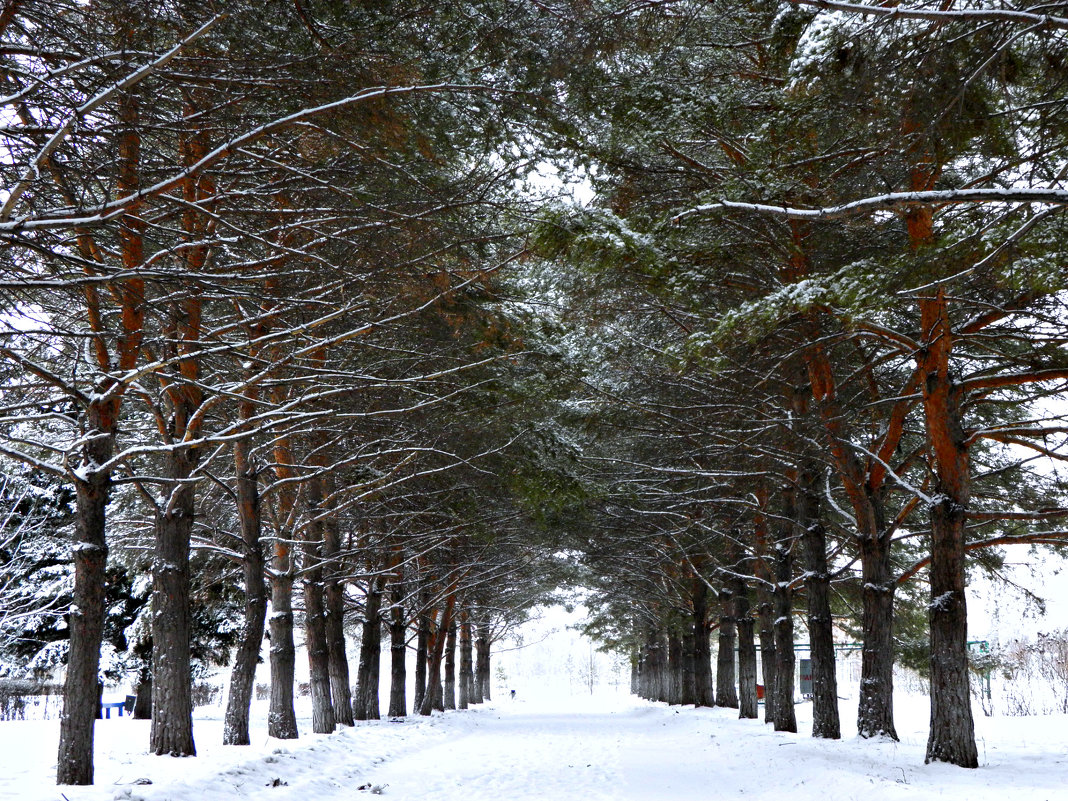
{"x":22,"y":699}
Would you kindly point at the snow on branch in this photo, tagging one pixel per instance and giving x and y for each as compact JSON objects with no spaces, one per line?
{"x":1051,"y":197}
{"x":942,"y":15}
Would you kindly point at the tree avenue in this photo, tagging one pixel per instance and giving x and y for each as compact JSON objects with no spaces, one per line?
{"x":292,"y":307}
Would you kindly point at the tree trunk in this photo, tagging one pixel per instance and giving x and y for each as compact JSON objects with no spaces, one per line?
{"x":673,"y":694}
{"x":433,"y":674}
{"x":476,"y":684}
{"x":92,"y":485}
{"x":726,"y":691}
{"x":439,"y":636}
{"x":334,"y":620}
{"x":281,"y":717}
{"x":243,"y":675}
{"x":875,"y":713}
{"x":702,"y":648}
{"x":785,"y":719}
{"x":143,"y":696}
{"x":373,"y":677}
{"x":482,"y":661}
{"x":952,"y":734}
{"x":172,"y":702}
{"x":765,"y":606}
{"x":687,"y":692}
{"x":747,"y":658}
{"x":422,"y":642}
{"x":75,"y":765}
{"x":398,"y":651}
{"x":466,"y":675}
{"x":647,"y":678}
{"x":663,"y":667}
{"x":337,"y":656}
{"x":449,"y":698}
{"x":369,"y":650}
{"x":323,"y":721}
{"x":766,"y":616}
{"x":825,"y":719}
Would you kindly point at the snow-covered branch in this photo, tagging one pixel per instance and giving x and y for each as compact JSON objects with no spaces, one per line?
{"x":891,"y":200}
{"x":942,"y":14}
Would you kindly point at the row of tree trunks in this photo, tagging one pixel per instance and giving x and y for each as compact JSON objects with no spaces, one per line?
{"x":467,"y":674}
{"x":674,"y":665}
{"x":663,"y":672}
{"x":433,"y":698}
{"x":665,"y":667}
{"x":864,"y":486}
{"x":323,"y":600}
{"x":442,"y":639}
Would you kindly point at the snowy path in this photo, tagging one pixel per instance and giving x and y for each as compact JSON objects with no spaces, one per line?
{"x":511,"y":754}
{"x":610,"y":747}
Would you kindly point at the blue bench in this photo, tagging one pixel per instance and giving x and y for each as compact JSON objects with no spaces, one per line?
{"x":106,"y":708}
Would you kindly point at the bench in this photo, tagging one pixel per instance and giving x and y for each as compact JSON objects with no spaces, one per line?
{"x":106,"y":708}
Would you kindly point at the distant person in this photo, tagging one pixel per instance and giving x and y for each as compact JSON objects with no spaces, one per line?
{"x":513,"y":695}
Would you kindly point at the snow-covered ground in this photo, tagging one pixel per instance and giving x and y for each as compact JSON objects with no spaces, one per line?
{"x":548,"y":744}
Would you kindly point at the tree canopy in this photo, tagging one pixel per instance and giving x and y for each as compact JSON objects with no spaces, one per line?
{"x":411,"y":318}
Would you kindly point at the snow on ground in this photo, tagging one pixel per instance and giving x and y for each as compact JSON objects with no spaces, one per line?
{"x":547,"y":744}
